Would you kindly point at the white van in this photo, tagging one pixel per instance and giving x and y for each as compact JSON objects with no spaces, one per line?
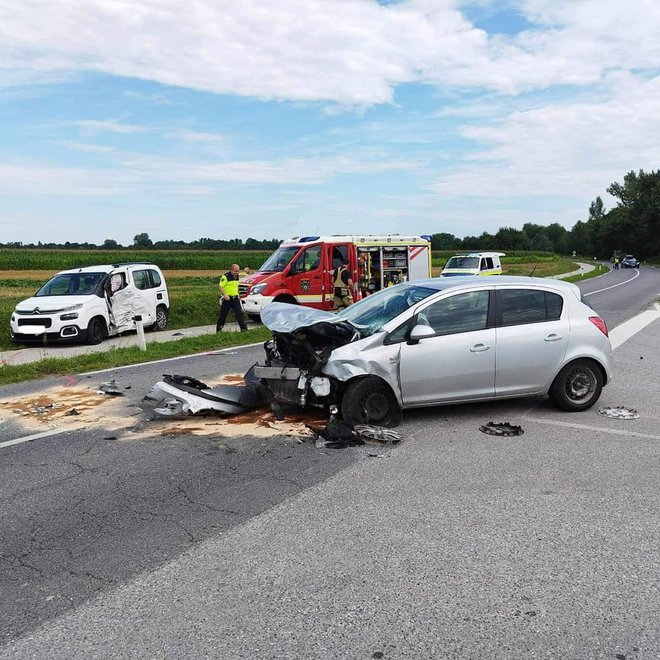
{"x":89,"y":304}
{"x":474,"y":263}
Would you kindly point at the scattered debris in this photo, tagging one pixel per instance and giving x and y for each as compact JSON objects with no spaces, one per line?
{"x":619,"y":412}
{"x":72,"y":412}
{"x":339,"y":434}
{"x":111,"y":388}
{"x":501,"y":429}
{"x":176,"y":397}
{"x":379,"y":434}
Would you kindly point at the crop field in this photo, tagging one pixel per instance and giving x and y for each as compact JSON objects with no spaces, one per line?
{"x":185,"y":260}
{"x":194,"y":291}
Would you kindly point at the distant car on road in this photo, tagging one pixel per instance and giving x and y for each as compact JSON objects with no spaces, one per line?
{"x":629,"y":262}
{"x":89,"y":304}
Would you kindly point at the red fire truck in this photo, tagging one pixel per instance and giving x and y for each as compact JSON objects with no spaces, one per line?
{"x":300,"y":270}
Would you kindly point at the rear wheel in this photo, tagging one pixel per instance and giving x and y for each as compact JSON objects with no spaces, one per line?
{"x":577,"y":386}
{"x":95,"y":331}
{"x":255,"y":318}
{"x":370,"y":401}
{"x":162,"y":317}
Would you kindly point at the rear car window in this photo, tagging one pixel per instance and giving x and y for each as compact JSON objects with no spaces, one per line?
{"x":522,"y":306}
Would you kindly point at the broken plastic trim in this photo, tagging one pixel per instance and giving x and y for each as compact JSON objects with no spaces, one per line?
{"x":501,"y":429}
{"x":619,"y":412}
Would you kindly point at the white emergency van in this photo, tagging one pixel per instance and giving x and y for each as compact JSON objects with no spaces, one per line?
{"x":474,"y":263}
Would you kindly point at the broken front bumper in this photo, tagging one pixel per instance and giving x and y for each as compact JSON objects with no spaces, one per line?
{"x":294,"y":386}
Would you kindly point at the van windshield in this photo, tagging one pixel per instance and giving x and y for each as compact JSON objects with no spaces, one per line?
{"x":279,"y":260}
{"x":463,"y":262}
{"x":71,"y":284}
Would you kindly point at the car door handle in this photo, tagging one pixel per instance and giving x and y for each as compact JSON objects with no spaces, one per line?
{"x":479,"y":348}
{"x":553,"y":337}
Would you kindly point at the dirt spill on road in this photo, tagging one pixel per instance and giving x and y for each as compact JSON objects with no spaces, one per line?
{"x":78,"y":406}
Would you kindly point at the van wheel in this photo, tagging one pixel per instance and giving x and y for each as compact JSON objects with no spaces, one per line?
{"x":162,"y":317}
{"x":255,"y":318}
{"x":577,"y":386}
{"x":95,"y":331}
{"x":370,"y":401}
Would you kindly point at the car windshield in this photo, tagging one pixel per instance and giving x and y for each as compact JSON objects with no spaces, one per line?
{"x":370,"y":314}
{"x":279,"y":260}
{"x":463,"y":262}
{"x":71,"y":284}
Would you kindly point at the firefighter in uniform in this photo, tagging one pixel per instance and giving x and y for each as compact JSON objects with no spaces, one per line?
{"x":230,"y":300}
{"x":343,"y":285}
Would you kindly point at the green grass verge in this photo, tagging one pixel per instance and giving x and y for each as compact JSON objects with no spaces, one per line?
{"x":118,"y":357}
{"x":597,"y":272}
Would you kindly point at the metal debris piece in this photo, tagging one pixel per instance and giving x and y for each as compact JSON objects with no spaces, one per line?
{"x":378,"y":433}
{"x":110,"y":388}
{"x":71,"y":412}
{"x":619,"y":412}
{"x":501,"y":429}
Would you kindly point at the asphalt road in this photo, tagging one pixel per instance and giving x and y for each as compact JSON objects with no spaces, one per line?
{"x":453,"y":544}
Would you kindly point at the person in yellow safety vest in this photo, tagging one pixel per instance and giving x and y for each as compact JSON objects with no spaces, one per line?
{"x":229,"y":298}
{"x":343,"y":285}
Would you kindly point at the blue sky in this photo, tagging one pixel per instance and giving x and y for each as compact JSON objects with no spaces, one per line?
{"x":271,"y":118}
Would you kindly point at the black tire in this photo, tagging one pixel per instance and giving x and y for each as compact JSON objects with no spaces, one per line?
{"x":95,"y":331}
{"x":254,"y":317}
{"x":370,"y":401}
{"x":577,"y":386}
{"x":287,"y":299}
{"x":162,"y":317}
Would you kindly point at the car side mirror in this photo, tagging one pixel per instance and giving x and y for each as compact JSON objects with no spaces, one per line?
{"x":420,"y":332}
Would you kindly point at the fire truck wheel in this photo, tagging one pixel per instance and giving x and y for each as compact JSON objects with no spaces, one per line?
{"x":370,"y":401}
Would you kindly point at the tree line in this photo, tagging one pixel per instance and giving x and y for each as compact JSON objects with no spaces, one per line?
{"x":633,"y":226}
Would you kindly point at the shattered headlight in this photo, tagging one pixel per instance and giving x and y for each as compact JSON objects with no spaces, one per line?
{"x":72,"y":308}
{"x":258,"y":288}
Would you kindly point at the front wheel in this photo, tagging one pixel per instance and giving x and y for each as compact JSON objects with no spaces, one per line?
{"x":370,"y":401}
{"x":95,"y":331}
{"x":577,"y":386}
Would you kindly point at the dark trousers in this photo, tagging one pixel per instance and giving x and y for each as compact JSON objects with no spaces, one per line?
{"x":234,"y":303}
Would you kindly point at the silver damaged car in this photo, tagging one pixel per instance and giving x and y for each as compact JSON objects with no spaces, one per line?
{"x":439,"y":341}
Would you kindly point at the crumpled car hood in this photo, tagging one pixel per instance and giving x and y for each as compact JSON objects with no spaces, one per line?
{"x":285,"y":317}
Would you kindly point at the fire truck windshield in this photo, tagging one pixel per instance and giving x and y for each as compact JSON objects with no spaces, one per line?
{"x":279,"y":260}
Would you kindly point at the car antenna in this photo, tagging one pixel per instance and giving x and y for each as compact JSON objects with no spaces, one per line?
{"x":533,"y":270}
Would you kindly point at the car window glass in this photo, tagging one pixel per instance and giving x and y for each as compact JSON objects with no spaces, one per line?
{"x":401,"y":333}
{"x":141,"y":279}
{"x":464,"y":312}
{"x":521,"y":306}
{"x":554,"y":304}
{"x":155,"y":278}
{"x":310,"y":259}
{"x":489,"y":263}
{"x":339,"y":255}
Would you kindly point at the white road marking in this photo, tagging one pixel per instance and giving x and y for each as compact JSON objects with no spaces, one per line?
{"x":622,"y":333}
{"x":587,"y":427}
{"x":634,"y":277}
{"x":27,"y":438}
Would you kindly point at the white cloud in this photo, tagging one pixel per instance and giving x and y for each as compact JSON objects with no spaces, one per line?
{"x":563,"y":149}
{"x":351,"y":52}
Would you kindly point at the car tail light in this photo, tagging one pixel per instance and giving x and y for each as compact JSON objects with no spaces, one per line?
{"x":600,"y":324}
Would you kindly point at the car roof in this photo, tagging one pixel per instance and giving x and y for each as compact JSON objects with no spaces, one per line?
{"x":499,"y":281}
{"x":106,"y":268}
